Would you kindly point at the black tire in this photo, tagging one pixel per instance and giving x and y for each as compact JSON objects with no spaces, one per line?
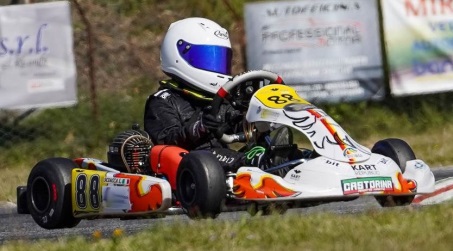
{"x":49,"y":193}
{"x":21,"y":192}
{"x":400,"y":152}
{"x":283,"y":136}
{"x":201,"y":185}
{"x":277,"y":153}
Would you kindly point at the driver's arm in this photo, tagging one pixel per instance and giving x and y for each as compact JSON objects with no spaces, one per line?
{"x":165,"y":124}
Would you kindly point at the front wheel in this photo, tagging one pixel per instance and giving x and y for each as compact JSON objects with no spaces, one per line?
{"x":201,"y":184}
{"x":49,"y":193}
{"x":400,"y":152}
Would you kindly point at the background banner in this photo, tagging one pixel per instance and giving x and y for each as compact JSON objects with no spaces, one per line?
{"x":37,"y":67}
{"x":328,"y":50}
{"x":419,"y":45}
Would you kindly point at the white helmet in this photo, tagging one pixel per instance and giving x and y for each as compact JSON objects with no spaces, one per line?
{"x":198,"y":52}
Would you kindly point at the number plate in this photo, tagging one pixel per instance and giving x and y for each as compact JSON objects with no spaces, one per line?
{"x":278,"y":96}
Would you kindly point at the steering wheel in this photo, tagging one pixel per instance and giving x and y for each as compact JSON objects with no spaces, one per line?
{"x":224,"y":93}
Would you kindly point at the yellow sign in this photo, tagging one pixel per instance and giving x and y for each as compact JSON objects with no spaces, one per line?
{"x":278,"y":96}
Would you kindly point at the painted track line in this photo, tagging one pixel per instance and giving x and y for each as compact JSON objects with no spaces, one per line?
{"x":443,"y":191}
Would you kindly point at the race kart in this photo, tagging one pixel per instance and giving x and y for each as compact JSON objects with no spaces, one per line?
{"x":141,"y":179}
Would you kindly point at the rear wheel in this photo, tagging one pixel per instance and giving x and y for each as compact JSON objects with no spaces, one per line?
{"x":49,"y":193}
{"x":201,"y":184}
{"x":400,"y":152}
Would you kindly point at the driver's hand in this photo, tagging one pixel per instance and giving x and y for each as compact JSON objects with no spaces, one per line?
{"x":211,"y":122}
{"x":233,"y":117}
{"x":224,"y":121}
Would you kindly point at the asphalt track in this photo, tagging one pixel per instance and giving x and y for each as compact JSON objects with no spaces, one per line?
{"x":22,"y":227}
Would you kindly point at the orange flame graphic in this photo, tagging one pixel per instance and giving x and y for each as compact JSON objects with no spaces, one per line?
{"x":266,"y":188}
{"x":150,"y":201}
{"x":407,"y":186}
{"x":142,"y":201}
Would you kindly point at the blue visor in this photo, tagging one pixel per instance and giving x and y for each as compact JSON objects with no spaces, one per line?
{"x":206,"y":57}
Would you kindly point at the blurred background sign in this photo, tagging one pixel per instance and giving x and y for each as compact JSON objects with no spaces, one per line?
{"x":419,"y":38}
{"x":37,"y":66}
{"x":330,"y":51}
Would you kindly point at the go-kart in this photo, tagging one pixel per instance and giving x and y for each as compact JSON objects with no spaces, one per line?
{"x":141,"y":179}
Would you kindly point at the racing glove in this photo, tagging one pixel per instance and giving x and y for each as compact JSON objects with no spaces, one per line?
{"x":210,"y":122}
{"x":225,"y":121}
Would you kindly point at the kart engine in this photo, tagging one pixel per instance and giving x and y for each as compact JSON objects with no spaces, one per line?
{"x":129,"y":151}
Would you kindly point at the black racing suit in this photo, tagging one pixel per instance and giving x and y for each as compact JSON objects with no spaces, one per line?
{"x":173,"y":117}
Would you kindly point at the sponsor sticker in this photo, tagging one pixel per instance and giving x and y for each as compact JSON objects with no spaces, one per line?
{"x":222,"y":34}
{"x":333,"y":163}
{"x":269,"y":115}
{"x":364,"y":185}
{"x":117,"y":181}
{"x":294,"y":176}
{"x":116,"y":199}
{"x":365,"y":169}
{"x":383,"y":161}
{"x":352,"y":153}
{"x":419,"y":165}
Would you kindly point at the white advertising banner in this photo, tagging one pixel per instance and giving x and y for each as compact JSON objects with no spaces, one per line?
{"x":37,"y":67}
{"x":419,"y":45}
{"x":328,"y":50}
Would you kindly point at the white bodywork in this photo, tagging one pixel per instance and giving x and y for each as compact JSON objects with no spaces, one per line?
{"x":344,"y":167}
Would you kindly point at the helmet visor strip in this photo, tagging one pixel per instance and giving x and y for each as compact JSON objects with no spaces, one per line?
{"x":212,"y":58}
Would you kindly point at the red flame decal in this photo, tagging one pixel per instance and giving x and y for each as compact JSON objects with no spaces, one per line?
{"x":407,"y":186}
{"x":266,"y":188}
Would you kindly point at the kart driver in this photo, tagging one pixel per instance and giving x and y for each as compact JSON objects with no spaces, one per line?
{"x":196,"y":55}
